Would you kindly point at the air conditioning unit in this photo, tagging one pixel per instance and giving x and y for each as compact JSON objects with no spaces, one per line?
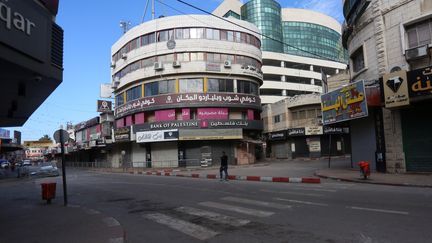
{"x":113,"y":65}
{"x":115,"y":84}
{"x":124,"y":55}
{"x":417,"y":53}
{"x":158,"y":66}
{"x":176,"y":64}
{"x":227,"y":64}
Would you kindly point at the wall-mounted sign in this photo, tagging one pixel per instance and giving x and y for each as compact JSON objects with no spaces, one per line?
{"x":104,"y":106}
{"x":419,"y":83}
{"x":292,"y":132}
{"x":210,"y":134}
{"x":213,"y":67}
{"x":335,"y":130}
{"x":275,"y":136}
{"x":316,"y":130}
{"x":122,"y":134}
{"x":190,"y":99}
{"x":395,"y":87}
{"x":22,"y":24}
{"x":85,"y":124}
{"x":157,"y":136}
{"x":195,"y":124}
{"x":314,"y":146}
{"x":346,"y":103}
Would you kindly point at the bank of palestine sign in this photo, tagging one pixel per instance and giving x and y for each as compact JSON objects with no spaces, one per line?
{"x":344,"y":104}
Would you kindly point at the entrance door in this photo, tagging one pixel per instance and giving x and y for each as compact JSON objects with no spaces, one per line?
{"x":417,"y":138}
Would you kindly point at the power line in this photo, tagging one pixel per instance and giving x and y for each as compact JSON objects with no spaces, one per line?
{"x":268,"y":37}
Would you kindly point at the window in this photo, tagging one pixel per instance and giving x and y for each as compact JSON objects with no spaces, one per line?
{"x":358,"y":60}
{"x":209,"y":34}
{"x":162,"y":35}
{"x":419,"y":34}
{"x":191,"y":85}
{"x":179,"y":34}
{"x":197,"y":56}
{"x":167,"y":87}
{"x":186,"y":33}
{"x":197,"y":33}
{"x":151,"y":89}
{"x":220,"y":85}
{"x":119,"y":99}
{"x":214,"y":57}
{"x":133,"y":93}
{"x":243,"y":87}
{"x":276,"y":119}
{"x":230,"y":36}
{"x":151,"y":38}
{"x":183,"y":57}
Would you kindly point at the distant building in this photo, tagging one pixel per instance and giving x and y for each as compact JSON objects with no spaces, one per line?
{"x":186,"y":89}
{"x":36,"y":150}
{"x":293,"y":129}
{"x":304,"y":45}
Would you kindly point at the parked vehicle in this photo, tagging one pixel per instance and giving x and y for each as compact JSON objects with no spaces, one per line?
{"x":46,"y":169}
{"x":4,"y":164}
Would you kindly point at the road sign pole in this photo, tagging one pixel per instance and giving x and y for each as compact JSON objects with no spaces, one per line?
{"x":63,"y":169}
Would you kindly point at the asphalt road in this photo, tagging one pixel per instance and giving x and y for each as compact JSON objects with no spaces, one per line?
{"x":173,"y":209}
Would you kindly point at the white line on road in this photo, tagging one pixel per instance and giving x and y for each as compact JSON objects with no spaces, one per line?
{"x":379,"y":210}
{"x":302,"y":202}
{"x":314,"y":189}
{"x":248,"y":211}
{"x":294,"y":193}
{"x":223,"y":219}
{"x":257,"y":203}
{"x":188,"y":228}
{"x":111,"y":222}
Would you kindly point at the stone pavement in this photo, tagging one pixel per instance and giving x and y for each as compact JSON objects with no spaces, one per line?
{"x":25,"y":217}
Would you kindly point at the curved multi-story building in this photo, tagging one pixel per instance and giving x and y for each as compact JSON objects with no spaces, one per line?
{"x":298,"y":46}
{"x":186,"y":89}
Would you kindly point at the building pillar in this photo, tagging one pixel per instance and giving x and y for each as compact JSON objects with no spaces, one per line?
{"x":337,"y":71}
{"x":282,"y":64}
{"x":311,"y":68}
{"x":312,"y":81}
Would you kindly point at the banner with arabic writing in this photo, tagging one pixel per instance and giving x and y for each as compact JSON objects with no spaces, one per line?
{"x":346,"y":103}
{"x":419,"y":83}
{"x":188,"y":100}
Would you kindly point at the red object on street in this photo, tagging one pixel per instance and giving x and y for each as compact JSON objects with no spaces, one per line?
{"x":364,"y":169}
{"x":48,"y":191}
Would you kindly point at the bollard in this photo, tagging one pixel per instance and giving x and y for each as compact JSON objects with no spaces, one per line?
{"x":48,"y":191}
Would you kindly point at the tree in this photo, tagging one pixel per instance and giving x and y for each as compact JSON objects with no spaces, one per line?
{"x":45,"y":138}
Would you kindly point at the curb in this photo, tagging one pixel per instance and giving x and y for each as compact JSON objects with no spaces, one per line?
{"x":372,"y":182}
{"x":118,"y":233}
{"x":238,"y":177}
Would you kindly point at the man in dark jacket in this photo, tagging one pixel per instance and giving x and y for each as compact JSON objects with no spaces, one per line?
{"x":224,"y":166}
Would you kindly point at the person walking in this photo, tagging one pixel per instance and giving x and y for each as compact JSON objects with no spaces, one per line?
{"x":224,"y":166}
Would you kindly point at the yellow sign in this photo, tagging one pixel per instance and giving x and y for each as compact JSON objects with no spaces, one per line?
{"x":395,"y":89}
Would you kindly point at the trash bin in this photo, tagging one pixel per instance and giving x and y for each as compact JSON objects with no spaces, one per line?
{"x":48,"y":191}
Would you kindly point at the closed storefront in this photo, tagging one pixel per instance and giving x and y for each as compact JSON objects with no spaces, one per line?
{"x":417,"y":137}
{"x":164,"y":154}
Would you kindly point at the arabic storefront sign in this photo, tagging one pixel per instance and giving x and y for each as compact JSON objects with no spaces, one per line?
{"x":395,"y":87}
{"x":212,"y":113}
{"x":210,"y":134}
{"x":318,"y":130}
{"x":187,"y":99}
{"x":245,"y":124}
{"x":122,"y":134}
{"x":165,"y":115}
{"x":195,"y":124}
{"x":275,"y":136}
{"x":419,"y":83}
{"x":104,"y":106}
{"x":314,"y":146}
{"x":344,"y":104}
{"x":335,"y":130}
{"x":292,"y":132}
{"x":157,"y":136}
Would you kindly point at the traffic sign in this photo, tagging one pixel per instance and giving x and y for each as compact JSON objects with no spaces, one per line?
{"x":64,"y":138}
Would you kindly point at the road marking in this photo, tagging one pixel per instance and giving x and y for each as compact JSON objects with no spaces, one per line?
{"x":223,"y":219}
{"x":257,"y":203}
{"x":314,"y":189}
{"x":294,"y":193}
{"x":116,"y":240}
{"x":188,"y":228}
{"x":380,"y":210}
{"x":302,"y":202}
{"x":248,"y":211}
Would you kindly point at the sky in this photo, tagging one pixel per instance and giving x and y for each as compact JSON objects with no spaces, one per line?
{"x":90,"y":29}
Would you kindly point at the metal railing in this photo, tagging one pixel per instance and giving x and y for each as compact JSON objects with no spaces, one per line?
{"x":184,"y":163}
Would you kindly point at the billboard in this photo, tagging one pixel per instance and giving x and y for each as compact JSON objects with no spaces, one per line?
{"x":104,"y":106}
{"x":346,"y":103}
{"x":4,"y":133}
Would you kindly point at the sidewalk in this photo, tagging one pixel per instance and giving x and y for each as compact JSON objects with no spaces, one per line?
{"x":292,"y":171}
{"x":351,"y":175}
{"x":25,"y":217}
